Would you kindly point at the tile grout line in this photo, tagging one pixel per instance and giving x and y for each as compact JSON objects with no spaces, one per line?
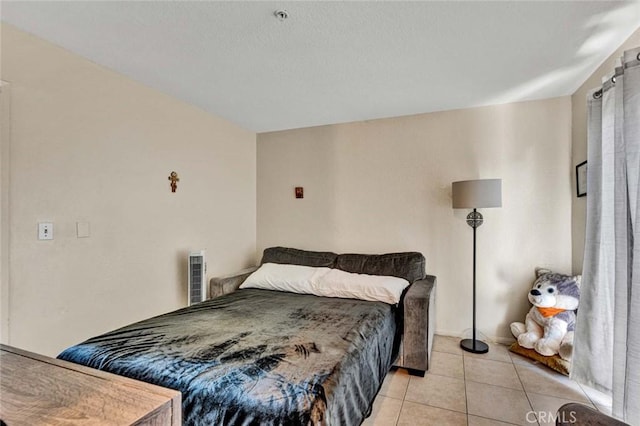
{"x":439,"y":375}
{"x":464,"y":378}
{"x":588,"y":396}
{"x":526,"y":394}
{"x":403,"y":399}
{"x":559,"y":397}
{"x":487,"y":359}
{"x":499,"y":386}
{"x":591,"y":399}
{"x":491,"y":384}
{"x":441,"y":408}
{"x":561,"y":380}
{"x":451,"y":377}
{"x":494,"y":420}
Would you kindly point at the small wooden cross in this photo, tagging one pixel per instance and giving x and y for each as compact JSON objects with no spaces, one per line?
{"x":173,"y":177}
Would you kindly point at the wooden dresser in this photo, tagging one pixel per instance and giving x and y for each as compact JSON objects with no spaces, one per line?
{"x":38,"y":390}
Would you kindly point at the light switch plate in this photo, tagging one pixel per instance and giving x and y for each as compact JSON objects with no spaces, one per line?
{"x":45,"y":231}
{"x":83,"y":229}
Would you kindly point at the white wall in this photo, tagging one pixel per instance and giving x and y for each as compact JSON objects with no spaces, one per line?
{"x":385,"y":185}
{"x":91,"y":145}
{"x":579,"y":143}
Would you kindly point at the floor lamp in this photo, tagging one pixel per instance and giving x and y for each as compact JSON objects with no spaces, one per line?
{"x":476,"y":194}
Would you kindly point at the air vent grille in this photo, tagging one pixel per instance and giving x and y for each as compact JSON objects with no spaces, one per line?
{"x":197,"y":278}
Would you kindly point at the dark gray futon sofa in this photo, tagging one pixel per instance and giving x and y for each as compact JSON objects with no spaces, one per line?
{"x":418,"y":304}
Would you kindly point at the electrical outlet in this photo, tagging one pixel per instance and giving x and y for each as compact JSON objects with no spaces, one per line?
{"x":45,"y":231}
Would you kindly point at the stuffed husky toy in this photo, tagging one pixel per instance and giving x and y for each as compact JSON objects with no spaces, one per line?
{"x":549,"y":325}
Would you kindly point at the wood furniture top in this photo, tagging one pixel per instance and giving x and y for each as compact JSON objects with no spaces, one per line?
{"x":38,"y":390}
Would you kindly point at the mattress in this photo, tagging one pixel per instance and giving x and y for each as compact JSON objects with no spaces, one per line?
{"x":257,"y":357}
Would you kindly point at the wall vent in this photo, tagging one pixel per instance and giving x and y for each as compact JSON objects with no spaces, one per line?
{"x":197,"y":277}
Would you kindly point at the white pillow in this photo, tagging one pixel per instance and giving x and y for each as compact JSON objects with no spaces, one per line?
{"x":338,"y":283}
{"x":326,"y":282}
{"x":281,"y":277}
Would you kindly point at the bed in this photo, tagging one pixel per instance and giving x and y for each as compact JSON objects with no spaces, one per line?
{"x":254,"y":356}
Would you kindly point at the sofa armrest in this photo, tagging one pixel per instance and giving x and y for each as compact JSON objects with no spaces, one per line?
{"x":219,"y":286}
{"x":419,"y":325}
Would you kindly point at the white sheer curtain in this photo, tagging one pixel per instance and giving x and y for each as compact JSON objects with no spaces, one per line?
{"x":607,"y":338}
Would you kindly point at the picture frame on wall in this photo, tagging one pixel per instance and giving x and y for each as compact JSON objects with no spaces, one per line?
{"x":581,"y":179}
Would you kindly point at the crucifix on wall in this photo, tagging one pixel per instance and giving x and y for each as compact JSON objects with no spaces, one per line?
{"x":173,"y":177}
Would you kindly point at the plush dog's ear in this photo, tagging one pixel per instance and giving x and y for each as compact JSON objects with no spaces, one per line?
{"x":542,"y":271}
{"x":578,"y":280}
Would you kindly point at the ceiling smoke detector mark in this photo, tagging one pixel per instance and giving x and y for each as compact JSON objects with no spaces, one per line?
{"x":281,"y":14}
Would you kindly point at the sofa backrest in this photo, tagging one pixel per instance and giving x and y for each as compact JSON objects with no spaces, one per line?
{"x":293,"y":256}
{"x":407,"y":265}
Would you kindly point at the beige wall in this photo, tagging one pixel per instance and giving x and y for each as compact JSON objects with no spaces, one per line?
{"x":91,"y":145}
{"x":385,"y":185}
{"x":5,"y":105}
{"x":579,"y":143}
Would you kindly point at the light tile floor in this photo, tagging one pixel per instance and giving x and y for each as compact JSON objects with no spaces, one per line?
{"x":460,"y":388}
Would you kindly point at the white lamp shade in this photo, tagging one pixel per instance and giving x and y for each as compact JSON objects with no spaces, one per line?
{"x":475,"y":194}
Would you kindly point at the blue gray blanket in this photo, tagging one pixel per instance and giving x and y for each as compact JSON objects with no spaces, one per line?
{"x":257,"y":357}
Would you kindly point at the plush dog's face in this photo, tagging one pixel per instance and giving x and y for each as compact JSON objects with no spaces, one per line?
{"x":552,"y":290}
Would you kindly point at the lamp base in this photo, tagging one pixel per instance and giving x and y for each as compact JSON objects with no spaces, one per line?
{"x":474,"y":346}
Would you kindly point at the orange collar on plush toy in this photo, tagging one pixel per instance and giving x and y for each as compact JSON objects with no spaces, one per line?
{"x":550,"y":312}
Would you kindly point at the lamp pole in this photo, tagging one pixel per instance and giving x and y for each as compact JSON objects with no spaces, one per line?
{"x":474,"y":220}
{"x":474,"y":284}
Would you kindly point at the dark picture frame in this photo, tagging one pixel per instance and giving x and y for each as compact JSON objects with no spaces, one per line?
{"x":581,"y":179}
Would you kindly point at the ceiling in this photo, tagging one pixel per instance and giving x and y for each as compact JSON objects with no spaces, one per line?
{"x":333,"y":62}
